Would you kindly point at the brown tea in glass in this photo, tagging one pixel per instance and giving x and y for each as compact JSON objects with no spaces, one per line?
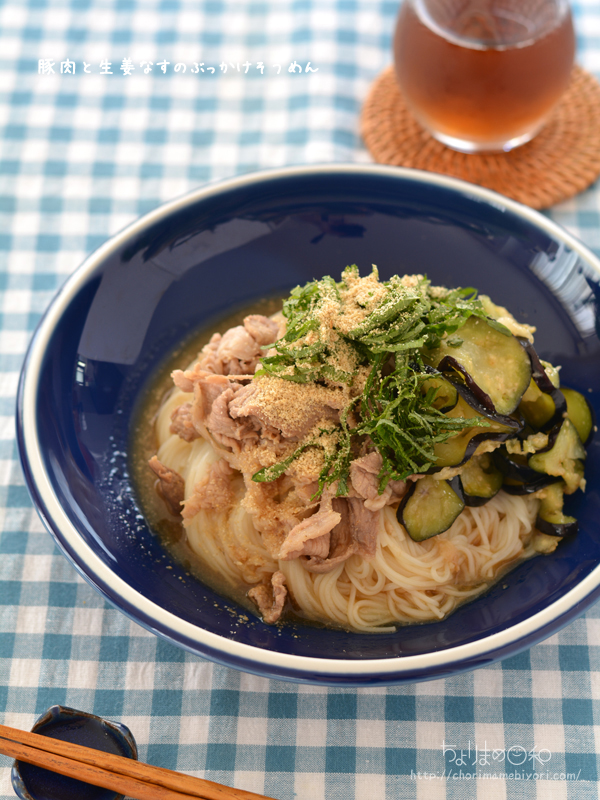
{"x":483,"y":75}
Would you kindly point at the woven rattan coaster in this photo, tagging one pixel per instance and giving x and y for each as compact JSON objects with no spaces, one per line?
{"x":563,"y":159}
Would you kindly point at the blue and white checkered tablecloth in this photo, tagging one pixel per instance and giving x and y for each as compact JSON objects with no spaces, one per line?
{"x":85,"y":148}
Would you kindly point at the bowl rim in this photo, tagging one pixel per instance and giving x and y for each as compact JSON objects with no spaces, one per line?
{"x":395,"y":668}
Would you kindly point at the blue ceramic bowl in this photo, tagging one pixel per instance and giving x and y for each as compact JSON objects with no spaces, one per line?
{"x":77,"y":727}
{"x":195,"y":259}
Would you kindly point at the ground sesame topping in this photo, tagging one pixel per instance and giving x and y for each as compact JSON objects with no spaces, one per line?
{"x":351,"y":355}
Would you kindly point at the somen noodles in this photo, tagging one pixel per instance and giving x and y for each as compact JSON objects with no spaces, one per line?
{"x":377,"y":453}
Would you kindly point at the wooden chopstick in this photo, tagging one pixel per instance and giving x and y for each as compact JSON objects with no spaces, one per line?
{"x":120,"y":774}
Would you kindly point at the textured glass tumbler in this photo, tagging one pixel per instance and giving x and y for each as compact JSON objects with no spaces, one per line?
{"x":483,"y":75}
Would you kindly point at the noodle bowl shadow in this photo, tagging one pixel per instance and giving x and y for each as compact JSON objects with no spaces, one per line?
{"x":187,"y":264}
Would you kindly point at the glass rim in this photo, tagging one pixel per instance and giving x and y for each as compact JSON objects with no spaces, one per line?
{"x":423,"y":10}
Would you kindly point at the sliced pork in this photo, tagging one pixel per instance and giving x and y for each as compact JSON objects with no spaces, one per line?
{"x":274,"y":404}
{"x":311,"y":535}
{"x":315,"y":527}
{"x":270,"y":598}
{"x":257,"y":422}
{"x":356,"y":532}
{"x":239,"y":350}
{"x":262,"y":329}
{"x":226,"y":430}
{"x":364,"y":474}
{"x":207,"y":387}
{"x":364,"y":527}
{"x":170,"y":485}
{"x":182,"y":423}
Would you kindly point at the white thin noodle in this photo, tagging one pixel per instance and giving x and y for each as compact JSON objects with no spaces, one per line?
{"x":406,"y":581}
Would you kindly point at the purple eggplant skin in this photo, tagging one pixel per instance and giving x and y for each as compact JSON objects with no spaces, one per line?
{"x":543,"y":382}
{"x":475,"y":502}
{"x":594,"y":422}
{"x":473,"y":398}
{"x":472,"y":446}
{"x":456,"y":486}
{"x":450,"y":364}
{"x":555,"y":529}
{"x":552,"y":436}
{"x":529,"y":487}
{"x":405,"y":498}
{"x":512,"y":469}
{"x":433,"y":372}
{"x":514,"y":421}
{"x":538,"y":373}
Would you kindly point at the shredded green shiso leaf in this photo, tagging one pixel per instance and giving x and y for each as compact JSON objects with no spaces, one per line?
{"x":394,"y":409}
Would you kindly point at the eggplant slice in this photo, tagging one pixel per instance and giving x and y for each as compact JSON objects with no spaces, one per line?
{"x":542,"y":413}
{"x":514,"y":467}
{"x":580,"y":413}
{"x":458,"y":449}
{"x":564,"y":459}
{"x":442,"y":393}
{"x":511,"y":486}
{"x":501,"y":364}
{"x":485,"y":373}
{"x":430,"y":507}
{"x":551,"y":519}
{"x":480,"y":480}
{"x":540,"y":409}
{"x":518,"y":476}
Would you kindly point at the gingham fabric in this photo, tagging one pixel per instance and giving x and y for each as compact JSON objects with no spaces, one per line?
{"x":87,"y":145}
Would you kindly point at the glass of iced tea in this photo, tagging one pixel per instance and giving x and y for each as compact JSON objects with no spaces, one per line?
{"x":483,"y":75}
